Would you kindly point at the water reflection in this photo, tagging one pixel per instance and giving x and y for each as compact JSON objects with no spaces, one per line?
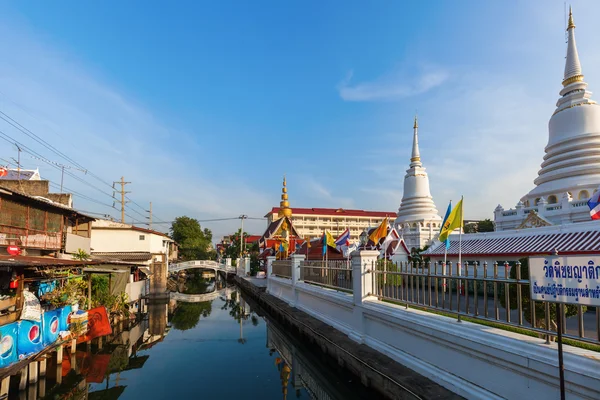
{"x":185,"y":348}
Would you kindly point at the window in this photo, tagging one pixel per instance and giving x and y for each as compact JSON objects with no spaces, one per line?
{"x":584,"y":194}
{"x":552,"y":199}
{"x":142,"y":237}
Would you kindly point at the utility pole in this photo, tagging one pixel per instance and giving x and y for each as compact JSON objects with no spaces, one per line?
{"x":242,"y":217}
{"x":123,"y":192}
{"x":150,"y":217}
{"x":18,"y":161}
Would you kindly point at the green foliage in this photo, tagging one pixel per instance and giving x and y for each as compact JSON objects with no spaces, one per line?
{"x":194,"y":243}
{"x":81,"y":255}
{"x":485,"y":226}
{"x":540,"y":308}
{"x":233,"y":249}
{"x":392,"y":280}
{"x":73,"y":291}
{"x":187,"y":315}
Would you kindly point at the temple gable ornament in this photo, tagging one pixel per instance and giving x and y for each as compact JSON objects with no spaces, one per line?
{"x":534,"y":220}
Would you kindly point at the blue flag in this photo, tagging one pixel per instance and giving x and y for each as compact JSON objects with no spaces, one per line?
{"x":324,"y":241}
{"x":444,"y":223}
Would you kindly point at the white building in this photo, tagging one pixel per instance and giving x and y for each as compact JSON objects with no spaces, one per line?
{"x":118,"y":241}
{"x":417,"y":220}
{"x":570,"y":172}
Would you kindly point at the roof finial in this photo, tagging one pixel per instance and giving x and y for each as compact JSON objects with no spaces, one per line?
{"x":571,"y":22}
{"x":573,"y":72}
{"x":284,"y":205}
{"x":415,"y":159}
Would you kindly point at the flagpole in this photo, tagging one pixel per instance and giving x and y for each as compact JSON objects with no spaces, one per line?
{"x":462,"y":206}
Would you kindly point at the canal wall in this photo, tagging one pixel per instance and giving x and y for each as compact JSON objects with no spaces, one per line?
{"x":375,"y":369}
{"x":472,"y":360}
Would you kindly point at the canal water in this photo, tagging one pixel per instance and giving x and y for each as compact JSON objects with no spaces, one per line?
{"x":206,"y":342}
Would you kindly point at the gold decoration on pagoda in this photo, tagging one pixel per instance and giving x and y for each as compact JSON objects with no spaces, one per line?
{"x":284,"y":205}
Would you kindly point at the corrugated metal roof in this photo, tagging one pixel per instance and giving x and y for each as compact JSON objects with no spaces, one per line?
{"x":28,"y":261}
{"x":523,"y":244}
{"x":123,"y":256}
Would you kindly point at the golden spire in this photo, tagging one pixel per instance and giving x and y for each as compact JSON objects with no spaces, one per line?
{"x":571,"y":22}
{"x":284,"y":205}
{"x":416,"y":125}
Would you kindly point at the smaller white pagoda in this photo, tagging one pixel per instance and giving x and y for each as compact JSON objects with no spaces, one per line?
{"x":417,"y":221}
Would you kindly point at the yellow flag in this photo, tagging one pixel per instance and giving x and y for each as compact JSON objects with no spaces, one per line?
{"x":454,"y":220}
{"x":307,"y":243}
{"x":380,"y":232}
{"x":330,"y":240}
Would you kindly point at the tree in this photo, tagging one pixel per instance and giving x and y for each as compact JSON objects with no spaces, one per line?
{"x":194,"y":243}
{"x":233,"y":249}
{"x":187,"y":315}
{"x":485,"y":226}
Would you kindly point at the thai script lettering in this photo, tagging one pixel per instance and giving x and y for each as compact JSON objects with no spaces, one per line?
{"x":558,"y":290}
{"x":579,"y":272}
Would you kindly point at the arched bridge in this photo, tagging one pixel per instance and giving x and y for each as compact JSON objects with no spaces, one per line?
{"x":196,"y":298}
{"x":204,"y":264}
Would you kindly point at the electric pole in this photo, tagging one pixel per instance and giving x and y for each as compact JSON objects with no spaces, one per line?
{"x":150,"y":217}
{"x":242,"y":217}
{"x":123,"y":192}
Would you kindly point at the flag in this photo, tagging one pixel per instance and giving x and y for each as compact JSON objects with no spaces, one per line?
{"x":380,"y":232}
{"x":327,"y":240}
{"x":594,"y":205}
{"x":453,"y":221}
{"x":444,"y":223}
{"x":343,"y":239}
{"x":307,"y":243}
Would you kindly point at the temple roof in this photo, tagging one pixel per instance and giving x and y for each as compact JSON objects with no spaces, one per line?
{"x":274,"y":227}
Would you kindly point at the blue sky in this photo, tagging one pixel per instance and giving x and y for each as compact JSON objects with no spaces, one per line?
{"x":205,"y":105}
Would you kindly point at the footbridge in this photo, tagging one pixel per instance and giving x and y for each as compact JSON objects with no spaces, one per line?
{"x":204,"y":264}
{"x":196,"y":298}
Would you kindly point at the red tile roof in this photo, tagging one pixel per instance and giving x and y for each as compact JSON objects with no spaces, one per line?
{"x":252,"y":238}
{"x":336,"y":211}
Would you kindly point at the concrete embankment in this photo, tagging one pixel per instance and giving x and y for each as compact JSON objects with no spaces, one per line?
{"x":375,"y":370}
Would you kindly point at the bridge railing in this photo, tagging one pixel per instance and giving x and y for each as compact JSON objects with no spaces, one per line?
{"x":335,"y":274}
{"x":490,"y":294}
{"x":282,"y":268}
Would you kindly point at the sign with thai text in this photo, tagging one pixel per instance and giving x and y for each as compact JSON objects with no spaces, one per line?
{"x":565,"y":279}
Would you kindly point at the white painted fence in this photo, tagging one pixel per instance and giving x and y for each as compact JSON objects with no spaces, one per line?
{"x":475,"y":361}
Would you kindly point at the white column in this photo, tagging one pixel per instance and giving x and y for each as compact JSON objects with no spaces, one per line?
{"x":270,"y":260}
{"x":247,"y":265}
{"x":228,"y":261}
{"x":296,"y":261}
{"x":363,"y":262}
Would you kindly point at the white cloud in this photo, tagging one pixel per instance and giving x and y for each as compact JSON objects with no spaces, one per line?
{"x":398,"y":85}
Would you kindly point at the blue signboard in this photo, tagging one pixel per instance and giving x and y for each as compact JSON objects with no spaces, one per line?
{"x":51,"y":326}
{"x":8,"y":344}
{"x":29,"y":338}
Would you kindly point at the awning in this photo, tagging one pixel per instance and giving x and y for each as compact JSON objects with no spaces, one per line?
{"x":107,"y":269}
{"x":145,"y":270}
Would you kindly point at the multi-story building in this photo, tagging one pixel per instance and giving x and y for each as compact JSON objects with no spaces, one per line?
{"x":118,"y":241}
{"x":312,"y":222}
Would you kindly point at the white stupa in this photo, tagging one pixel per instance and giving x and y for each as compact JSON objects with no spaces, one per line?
{"x":570,"y":172}
{"x":417,"y":219}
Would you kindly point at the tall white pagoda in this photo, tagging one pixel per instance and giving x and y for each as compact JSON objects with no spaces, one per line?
{"x":570,"y":172}
{"x":417,"y":219}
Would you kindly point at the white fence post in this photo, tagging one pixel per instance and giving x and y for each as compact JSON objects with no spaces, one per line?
{"x":228,"y":261}
{"x":247,"y":265}
{"x":295,"y":261}
{"x":270,"y":260}
{"x":363,"y":262}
